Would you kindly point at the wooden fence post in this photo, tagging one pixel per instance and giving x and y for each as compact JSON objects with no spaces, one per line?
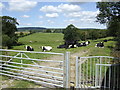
{"x":66,"y":77}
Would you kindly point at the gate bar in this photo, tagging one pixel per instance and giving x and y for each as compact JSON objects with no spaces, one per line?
{"x":32,"y":52}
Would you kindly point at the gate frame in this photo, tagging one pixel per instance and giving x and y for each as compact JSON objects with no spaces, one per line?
{"x":105,"y":65}
{"x":66,"y":63}
{"x":78,"y":69}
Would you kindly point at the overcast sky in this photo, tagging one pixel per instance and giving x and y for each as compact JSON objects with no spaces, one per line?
{"x":52,"y":14}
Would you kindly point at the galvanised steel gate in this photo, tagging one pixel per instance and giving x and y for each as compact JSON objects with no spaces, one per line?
{"x":98,"y":72}
{"x":37,"y":67}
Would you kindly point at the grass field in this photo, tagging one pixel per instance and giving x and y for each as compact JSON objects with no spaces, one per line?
{"x":54,"y":40}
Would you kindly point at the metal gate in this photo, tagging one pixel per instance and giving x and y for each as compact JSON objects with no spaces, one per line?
{"x":97,"y":72}
{"x":37,"y":67}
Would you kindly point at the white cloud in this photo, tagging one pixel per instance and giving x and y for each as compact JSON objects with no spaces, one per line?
{"x":53,"y":15}
{"x":83,"y":19}
{"x":49,"y":8}
{"x":60,"y":8}
{"x":21,"y":5}
{"x":85,"y":16}
{"x":69,"y":7}
{"x":25,"y":16}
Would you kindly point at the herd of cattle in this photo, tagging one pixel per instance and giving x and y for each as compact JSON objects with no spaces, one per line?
{"x":67,"y":46}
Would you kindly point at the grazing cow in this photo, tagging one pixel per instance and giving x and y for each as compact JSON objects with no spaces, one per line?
{"x":87,"y":43}
{"x":62,"y":46}
{"x":72,"y":46}
{"x":46,"y":48}
{"x":29,"y":48}
{"x":83,"y":44}
{"x":79,"y":44}
{"x":100,"y":45}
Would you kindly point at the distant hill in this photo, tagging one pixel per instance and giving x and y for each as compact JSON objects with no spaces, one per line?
{"x":91,"y":29}
{"x":30,"y":28}
{"x":41,"y":29}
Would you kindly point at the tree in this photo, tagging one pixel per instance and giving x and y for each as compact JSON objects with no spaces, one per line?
{"x":93,"y":34}
{"x":110,"y":15}
{"x":21,"y":34}
{"x":8,"y":31}
{"x":32,"y":31}
{"x":71,"y":34}
{"x":48,"y":31}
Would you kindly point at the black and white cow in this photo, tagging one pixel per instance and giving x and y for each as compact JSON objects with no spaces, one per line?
{"x":62,"y":46}
{"x":83,"y":44}
{"x":29,"y":48}
{"x":79,"y":45}
{"x":100,"y":45}
{"x":46,"y":48}
{"x":72,"y":46}
{"x":87,"y":42}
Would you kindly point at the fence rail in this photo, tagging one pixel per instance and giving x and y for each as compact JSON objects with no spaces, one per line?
{"x":31,"y":59}
{"x":47,"y":72}
{"x":31,"y":52}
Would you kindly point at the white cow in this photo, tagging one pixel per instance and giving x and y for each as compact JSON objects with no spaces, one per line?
{"x":46,"y":48}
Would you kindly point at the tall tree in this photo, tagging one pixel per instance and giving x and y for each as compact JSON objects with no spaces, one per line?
{"x":71,"y":34}
{"x":8,"y":31}
{"x":110,"y":15}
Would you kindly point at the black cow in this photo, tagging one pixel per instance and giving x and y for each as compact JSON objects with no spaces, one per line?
{"x":100,"y":45}
{"x":29,"y":48}
{"x":63,"y":46}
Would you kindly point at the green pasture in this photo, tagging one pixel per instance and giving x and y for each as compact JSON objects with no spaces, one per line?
{"x":56,"y":39}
